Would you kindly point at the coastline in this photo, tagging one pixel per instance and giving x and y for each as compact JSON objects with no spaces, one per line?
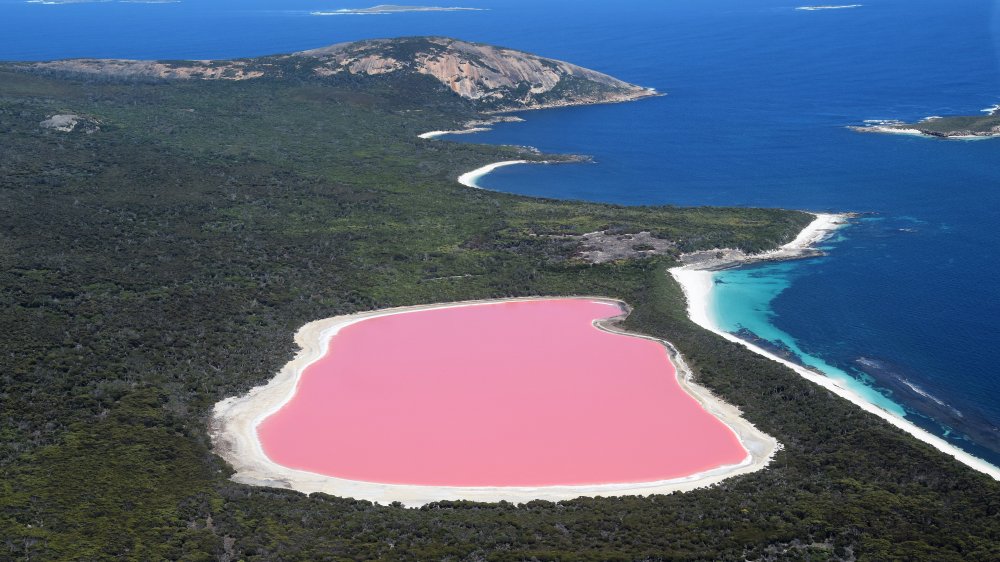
{"x":469,"y":179}
{"x":473,"y":126}
{"x":235,"y":419}
{"x":435,"y":134}
{"x":885,"y":129}
{"x":696,"y":281}
{"x":824,"y":225}
{"x":639,"y":94}
{"x":899,"y":128}
{"x":502,"y":115}
{"x":922,"y":133}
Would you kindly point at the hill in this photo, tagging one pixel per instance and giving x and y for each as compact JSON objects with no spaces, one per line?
{"x":493,"y":78}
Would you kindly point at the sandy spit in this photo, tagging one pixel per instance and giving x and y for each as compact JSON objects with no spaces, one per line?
{"x":697,"y":282}
{"x":234,"y":432}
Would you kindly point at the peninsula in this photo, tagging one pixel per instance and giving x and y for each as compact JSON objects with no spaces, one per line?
{"x":496,"y":79}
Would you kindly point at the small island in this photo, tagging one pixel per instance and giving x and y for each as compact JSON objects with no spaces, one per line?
{"x":382,"y":9}
{"x":953,"y":127}
{"x":828,"y":7}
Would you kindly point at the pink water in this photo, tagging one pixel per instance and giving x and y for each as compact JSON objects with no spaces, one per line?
{"x":507,"y":394}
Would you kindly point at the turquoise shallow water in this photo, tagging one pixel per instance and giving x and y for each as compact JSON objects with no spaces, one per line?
{"x":742,"y":303}
{"x":760,"y":95}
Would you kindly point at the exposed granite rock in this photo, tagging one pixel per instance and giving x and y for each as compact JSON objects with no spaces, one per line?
{"x":726,"y":258}
{"x":507,"y":78}
{"x":602,"y":246}
{"x":67,"y":122}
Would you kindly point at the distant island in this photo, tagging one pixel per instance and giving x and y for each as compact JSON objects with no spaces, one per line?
{"x":61,"y":2}
{"x":954,"y":127}
{"x":828,"y":7}
{"x":393,"y":9}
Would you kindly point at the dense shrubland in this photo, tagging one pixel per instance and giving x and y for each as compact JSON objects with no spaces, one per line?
{"x":162,"y":263}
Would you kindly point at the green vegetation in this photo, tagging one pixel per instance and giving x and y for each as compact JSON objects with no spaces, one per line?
{"x":958,"y":125}
{"x":162,"y":263}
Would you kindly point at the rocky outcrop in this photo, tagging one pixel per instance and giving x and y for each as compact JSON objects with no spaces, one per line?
{"x":606,"y":246}
{"x":504,"y":78}
{"x":960,"y":126}
{"x":67,"y":122}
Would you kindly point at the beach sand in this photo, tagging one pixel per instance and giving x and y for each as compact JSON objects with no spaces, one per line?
{"x":697,"y":281}
{"x":235,"y":420}
{"x":435,"y":134}
{"x":469,"y":179}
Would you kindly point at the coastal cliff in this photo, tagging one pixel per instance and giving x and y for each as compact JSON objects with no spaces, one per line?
{"x":492,"y":78}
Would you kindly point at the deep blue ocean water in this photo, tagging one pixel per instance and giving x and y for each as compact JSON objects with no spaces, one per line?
{"x":759,"y":97}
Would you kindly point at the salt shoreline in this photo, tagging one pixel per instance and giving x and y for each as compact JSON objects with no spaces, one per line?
{"x":235,"y":419}
{"x":697,"y":282}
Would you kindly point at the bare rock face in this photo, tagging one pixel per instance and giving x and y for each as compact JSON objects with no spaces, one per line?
{"x":63,"y":122}
{"x":67,"y":122}
{"x":605,"y":246}
{"x":504,"y":78}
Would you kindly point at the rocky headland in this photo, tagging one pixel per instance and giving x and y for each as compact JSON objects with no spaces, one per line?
{"x":954,"y":127}
{"x":493,"y":79}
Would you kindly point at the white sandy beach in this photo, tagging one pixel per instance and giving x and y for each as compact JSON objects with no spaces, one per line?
{"x":698,"y":282}
{"x":235,"y":420}
{"x":469,"y":179}
{"x":824,"y":225}
{"x":435,"y":134}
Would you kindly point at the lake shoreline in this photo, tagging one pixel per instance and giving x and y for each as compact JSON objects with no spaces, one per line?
{"x":234,"y":430}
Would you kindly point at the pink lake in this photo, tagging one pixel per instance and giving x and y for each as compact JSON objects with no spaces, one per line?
{"x":526,"y":393}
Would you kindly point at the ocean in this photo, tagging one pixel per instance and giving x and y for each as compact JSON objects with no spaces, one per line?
{"x":759,"y":97}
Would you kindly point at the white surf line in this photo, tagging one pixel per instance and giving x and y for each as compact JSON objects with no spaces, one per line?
{"x":234,"y":431}
{"x":887,"y":130}
{"x":829,"y":7}
{"x":469,"y":179}
{"x":918,"y":133}
{"x":697,"y":285}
